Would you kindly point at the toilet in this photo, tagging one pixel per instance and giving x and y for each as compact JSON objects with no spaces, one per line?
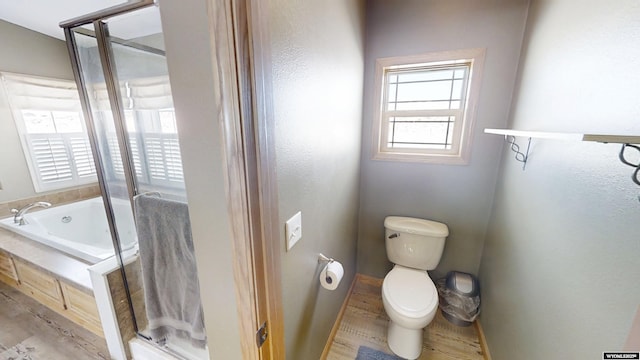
{"x":409,"y":295}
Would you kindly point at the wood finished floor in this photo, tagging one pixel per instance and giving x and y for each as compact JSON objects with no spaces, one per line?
{"x":30,"y":331}
{"x":365,"y":323}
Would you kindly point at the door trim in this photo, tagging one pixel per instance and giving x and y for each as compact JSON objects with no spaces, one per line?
{"x":252,"y":191}
{"x":261,"y":128}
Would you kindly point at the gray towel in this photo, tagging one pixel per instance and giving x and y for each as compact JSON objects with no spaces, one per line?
{"x":169,"y":274}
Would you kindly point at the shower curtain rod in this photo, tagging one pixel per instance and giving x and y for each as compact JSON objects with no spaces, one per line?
{"x":106,"y":13}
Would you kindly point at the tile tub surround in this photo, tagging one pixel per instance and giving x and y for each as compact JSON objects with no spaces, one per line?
{"x":56,"y":198}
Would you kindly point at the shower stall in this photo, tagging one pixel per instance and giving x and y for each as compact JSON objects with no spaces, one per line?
{"x":120,"y":68}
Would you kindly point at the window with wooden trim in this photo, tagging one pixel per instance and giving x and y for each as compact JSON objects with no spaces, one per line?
{"x":152,"y":134}
{"x":425,"y":106}
{"x":48,"y":116}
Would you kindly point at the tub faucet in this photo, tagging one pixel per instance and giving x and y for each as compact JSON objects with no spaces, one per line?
{"x":18,"y":214}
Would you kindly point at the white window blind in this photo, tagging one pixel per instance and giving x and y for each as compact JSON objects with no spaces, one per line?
{"x":48,"y":117}
{"x":152,"y":93}
{"x":61,"y":157}
{"x":159,"y":163}
{"x":163,"y":157}
{"x":153,"y":138}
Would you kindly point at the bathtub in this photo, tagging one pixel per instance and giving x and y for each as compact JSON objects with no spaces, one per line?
{"x":79,"y":229}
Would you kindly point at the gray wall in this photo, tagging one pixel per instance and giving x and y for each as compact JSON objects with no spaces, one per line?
{"x":560,"y":267}
{"x":460,"y":196}
{"x":317,"y":55}
{"x":25,"y":52}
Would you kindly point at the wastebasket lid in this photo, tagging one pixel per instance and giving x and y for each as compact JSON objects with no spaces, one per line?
{"x":462,"y":283}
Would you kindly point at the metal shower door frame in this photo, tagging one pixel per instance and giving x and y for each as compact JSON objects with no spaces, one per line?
{"x":98,"y":19}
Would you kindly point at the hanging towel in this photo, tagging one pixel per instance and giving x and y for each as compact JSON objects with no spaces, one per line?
{"x":169,"y":274}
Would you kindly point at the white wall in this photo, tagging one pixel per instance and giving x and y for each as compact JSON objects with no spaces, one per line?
{"x":25,"y":52}
{"x":460,"y":196}
{"x":317,"y":50}
{"x":560,"y":267}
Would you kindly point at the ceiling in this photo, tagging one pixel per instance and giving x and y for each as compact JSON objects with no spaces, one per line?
{"x":44,"y":15}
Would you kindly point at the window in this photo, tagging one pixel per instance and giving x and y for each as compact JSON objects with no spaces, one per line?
{"x":426,"y":106}
{"x":153,"y":136}
{"x":48,"y":117}
{"x":157,"y":160}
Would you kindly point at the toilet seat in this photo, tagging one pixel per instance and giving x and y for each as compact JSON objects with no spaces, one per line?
{"x":410,"y":292}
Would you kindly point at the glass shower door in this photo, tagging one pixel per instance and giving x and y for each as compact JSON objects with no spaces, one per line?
{"x":102,"y":125}
{"x":127,"y":89}
{"x":145,"y":95}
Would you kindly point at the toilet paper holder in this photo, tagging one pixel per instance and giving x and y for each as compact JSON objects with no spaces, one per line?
{"x":322,"y":258}
{"x":330,"y":280}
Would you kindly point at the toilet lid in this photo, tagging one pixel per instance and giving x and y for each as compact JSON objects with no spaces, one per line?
{"x":411,"y":292}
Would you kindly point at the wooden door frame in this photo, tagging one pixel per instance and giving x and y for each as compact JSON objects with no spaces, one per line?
{"x":250,"y":155}
{"x":258,"y":131}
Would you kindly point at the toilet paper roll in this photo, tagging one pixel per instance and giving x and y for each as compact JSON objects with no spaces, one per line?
{"x":331,"y":275}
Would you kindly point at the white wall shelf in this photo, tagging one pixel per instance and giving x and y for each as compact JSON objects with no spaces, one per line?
{"x":627,"y":141}
{"x":602,"y":138}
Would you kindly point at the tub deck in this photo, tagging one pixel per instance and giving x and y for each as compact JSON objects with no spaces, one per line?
{"x":79,"y":229}
{"x":48,"y":259}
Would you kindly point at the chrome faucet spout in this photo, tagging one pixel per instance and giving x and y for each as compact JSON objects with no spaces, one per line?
{"x":18,"y":214}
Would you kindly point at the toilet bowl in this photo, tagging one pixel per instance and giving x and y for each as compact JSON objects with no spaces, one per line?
{"x":410,"y":299}
{"x":409,"y":295}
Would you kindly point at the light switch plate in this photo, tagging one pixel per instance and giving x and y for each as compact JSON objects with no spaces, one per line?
{"x":293,"y":230}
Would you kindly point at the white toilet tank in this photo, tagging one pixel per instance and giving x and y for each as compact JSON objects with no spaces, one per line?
{"x":414,"y":243}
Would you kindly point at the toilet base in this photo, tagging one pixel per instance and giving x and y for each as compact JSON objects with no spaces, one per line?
{"x":406,"y":343}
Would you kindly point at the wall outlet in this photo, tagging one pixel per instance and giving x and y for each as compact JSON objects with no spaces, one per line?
{"x":293,"y":230}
